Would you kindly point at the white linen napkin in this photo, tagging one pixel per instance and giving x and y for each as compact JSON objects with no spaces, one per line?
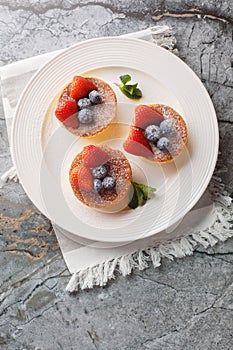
{"x":94,"y":263}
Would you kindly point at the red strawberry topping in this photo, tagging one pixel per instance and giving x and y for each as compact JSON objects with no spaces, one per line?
{"x":137,"y":144}
{"x":74,"y":176}
{"x":81,"y":87}
{"x":81,"y":177}
{"x":66,"y":112}
{"x":144,"y":116}
{"x":86,"y":150}
{"x":85,"y":180}
{"x":93,"y":156}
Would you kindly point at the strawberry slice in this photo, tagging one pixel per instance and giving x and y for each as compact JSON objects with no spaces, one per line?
{"x":85,"y":179}
{"x":74,"y":175}
{"x":145,"y":115}
{"x":67,"y":112}
{"x":86,"y":150}
{"x":81,"y":87}
{"x":93,"y":156}
{"x":81,"y":177}
{"x":137,"y":144}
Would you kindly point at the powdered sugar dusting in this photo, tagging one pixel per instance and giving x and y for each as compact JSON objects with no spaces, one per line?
{"x":103,"y":113}
{"x":178,"y":137}
{"x":119,"y":168}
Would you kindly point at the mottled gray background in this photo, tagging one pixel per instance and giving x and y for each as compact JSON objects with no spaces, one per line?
{"x":185,"y":304}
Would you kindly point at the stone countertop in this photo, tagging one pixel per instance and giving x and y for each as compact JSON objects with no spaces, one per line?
{"x":184,"y":304}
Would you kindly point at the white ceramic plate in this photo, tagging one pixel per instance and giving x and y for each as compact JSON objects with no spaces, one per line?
{"x":43,"y":150}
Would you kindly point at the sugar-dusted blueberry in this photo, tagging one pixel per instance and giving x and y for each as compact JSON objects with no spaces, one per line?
{"x":84,"y":103}
{"x":94,"y":97}
{"x":109,"y":183}
{"x":97,"y":184}
{"x":163,"y":143}
{"x":152,"y":133}
{"x":99,"y":172}
{"x":166,"y":126}
{"x":85,"y":116}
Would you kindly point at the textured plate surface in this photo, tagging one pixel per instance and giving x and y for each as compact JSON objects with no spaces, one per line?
{"x":43,"y":150}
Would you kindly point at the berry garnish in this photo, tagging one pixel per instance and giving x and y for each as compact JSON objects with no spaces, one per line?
{"x":66,"y":112}
{"x":94,"y":97}
{"x":85,"y":179}
{"x":109,"y":183}
{"x":166,"y":126}
{"x":84,"y":103}
{"x":87,"y":149}
{"x":74,"y":176}
{"x":94,"y":156}
{"x":145,"y":115}
{"x":99,"y":172}
{"x":85,"y":116}
{"x":81,"y":178}
{"x":97,"y":185}
{"x":137,"y":144}
{"x":81,"y":87}
{"x":163,"y":144}
{"x":152,"y":133}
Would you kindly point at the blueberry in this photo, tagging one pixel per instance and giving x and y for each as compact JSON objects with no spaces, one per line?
{"x":84,"y":103}
{"x":99,"y":172}
{"x":109,"y":183}
{"x":94,"y":97}
{"x":166,"y":126}
{"x":85,"y":116}
{"x":97,"y":185}
{"x":163,"y":144}
{"x":152,"y":133}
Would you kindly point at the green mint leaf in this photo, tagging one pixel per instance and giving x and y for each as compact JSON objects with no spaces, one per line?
{"x":138,"y":93}
{"x":133,"y":97}
{"x":125,"y":78}
{"x":145,"y":196}
{"x":133,"y":204}
{"x":126,"y":93}
{"x":131,"y":91}
{"x":145,"y":189}
{"x":134,"y":86}
{"x":139,"y":195}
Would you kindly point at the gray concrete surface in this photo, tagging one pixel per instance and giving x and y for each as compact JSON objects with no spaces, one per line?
{"x":186,"y":304}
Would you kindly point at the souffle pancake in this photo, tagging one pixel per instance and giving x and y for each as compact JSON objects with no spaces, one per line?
{"x":86,"y":106}
{"x":100,"y":177}
{"x":158,"y":133}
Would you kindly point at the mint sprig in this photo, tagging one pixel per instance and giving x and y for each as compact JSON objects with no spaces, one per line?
{"x":139,"y":194}
{"x":131,"y":91}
